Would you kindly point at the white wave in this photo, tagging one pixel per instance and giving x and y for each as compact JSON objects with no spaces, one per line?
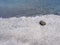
{"x":28,"y":31}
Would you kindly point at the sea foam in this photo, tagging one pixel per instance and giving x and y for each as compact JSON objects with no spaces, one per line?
{"x":28,"y":31}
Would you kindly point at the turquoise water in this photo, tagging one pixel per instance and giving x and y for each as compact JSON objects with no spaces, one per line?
{"x":11,"y":8}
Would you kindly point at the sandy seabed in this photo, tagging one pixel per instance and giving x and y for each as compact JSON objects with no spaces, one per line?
{"x":28,"y":31}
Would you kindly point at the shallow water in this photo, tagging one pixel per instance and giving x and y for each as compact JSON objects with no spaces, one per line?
{"x":13,"y":8}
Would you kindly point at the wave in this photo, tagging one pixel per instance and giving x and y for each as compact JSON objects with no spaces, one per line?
{"x":28,"y":31}
{"x":17,"y":8}
{"x":18,"y":12}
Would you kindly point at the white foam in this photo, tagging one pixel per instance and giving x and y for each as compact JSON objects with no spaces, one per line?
{"x":28,"y":31}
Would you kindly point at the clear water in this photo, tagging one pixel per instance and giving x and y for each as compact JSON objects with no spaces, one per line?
{"x":12,"y":8}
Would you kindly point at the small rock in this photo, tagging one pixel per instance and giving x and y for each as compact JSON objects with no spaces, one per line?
{"x":42,"y":23}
